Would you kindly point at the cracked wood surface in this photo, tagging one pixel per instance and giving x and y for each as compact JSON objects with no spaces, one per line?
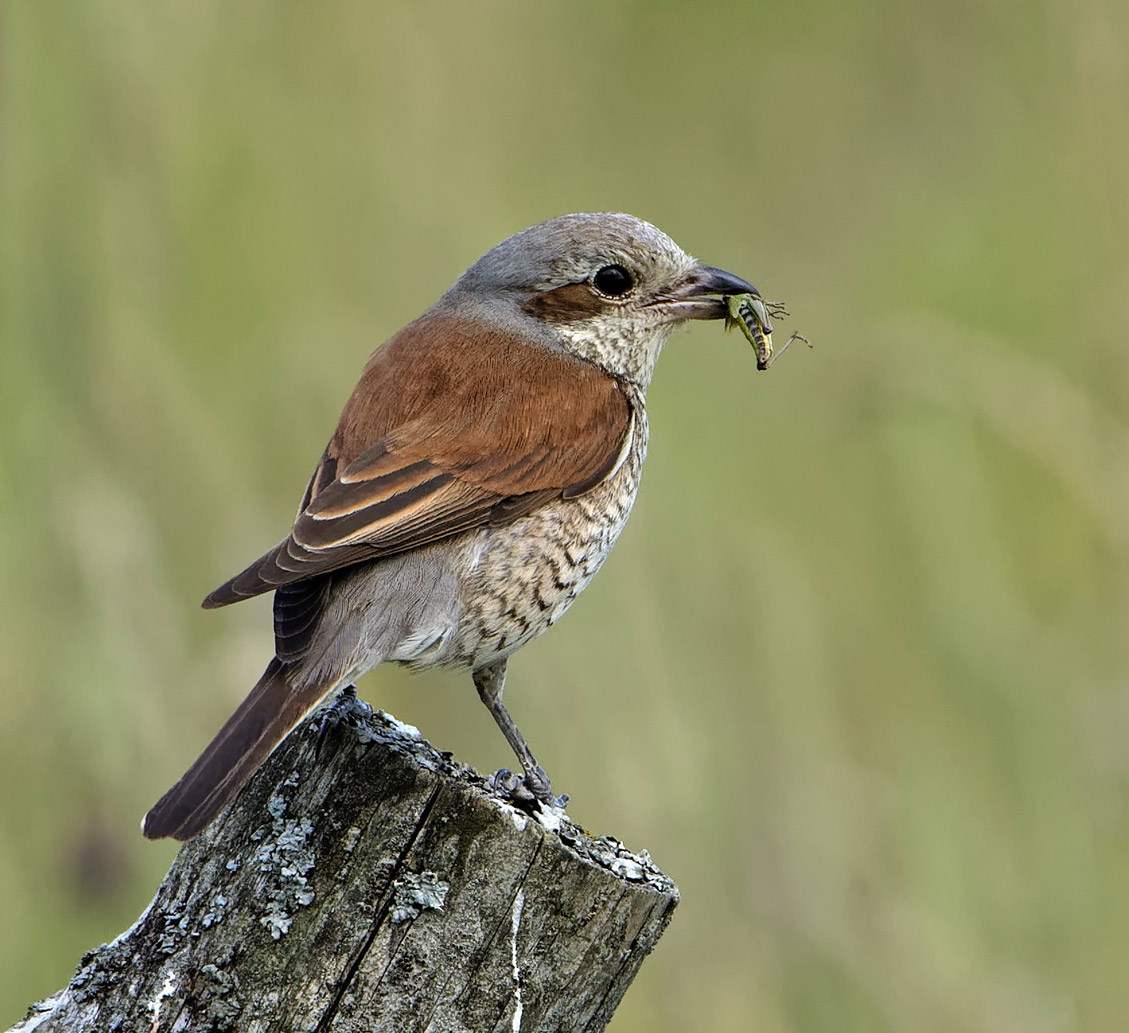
{"x":363,"y":881}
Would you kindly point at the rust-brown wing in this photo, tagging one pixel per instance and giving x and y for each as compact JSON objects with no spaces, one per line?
{"x":451,"y":427}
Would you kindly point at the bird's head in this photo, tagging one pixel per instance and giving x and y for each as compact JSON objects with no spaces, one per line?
{"x":606,"y":287}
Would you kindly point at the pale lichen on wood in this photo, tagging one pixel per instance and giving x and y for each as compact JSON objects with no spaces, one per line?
{"x":364,"y":881}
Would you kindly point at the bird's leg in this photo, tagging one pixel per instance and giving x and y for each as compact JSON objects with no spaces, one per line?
{"x":490,"y":680}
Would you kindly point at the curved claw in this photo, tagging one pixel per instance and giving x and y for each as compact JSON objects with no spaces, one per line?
{"x":528,"y":791}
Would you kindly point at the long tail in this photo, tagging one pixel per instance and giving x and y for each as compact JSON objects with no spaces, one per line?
{"x":262,"y":721}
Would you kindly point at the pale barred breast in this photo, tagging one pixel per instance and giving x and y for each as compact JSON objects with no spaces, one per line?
{"x":522,"y":577}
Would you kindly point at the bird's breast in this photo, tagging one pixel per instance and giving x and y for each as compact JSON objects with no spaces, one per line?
{"x":520,"y":578}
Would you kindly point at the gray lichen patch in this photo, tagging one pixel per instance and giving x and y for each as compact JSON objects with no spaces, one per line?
{"x":222,"y":1004}
{"x":175,"y":930}
{"x":284,"y":854}
{"x":610,"y":853}
{"x":216,"y":912}
{"x":385,"y":730}
{"x":414,"y":894}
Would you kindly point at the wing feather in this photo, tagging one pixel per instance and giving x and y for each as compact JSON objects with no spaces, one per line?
{"x":451,"y":427}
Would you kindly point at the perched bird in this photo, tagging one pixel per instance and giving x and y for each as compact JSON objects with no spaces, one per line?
{"x":479,"y":475}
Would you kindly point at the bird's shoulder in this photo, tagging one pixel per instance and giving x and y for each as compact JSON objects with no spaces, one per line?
{"x":473,"y":398}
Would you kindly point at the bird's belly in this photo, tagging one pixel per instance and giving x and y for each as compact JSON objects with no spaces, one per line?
{"x":520,"y":579}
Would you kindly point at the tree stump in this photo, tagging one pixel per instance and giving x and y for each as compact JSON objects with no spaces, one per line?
{"x":364,"y":881}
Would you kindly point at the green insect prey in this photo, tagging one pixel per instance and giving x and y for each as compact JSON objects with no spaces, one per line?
{"x":754,"y":316}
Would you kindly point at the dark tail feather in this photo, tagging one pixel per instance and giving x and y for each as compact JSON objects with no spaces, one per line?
{"x":262,"y":721}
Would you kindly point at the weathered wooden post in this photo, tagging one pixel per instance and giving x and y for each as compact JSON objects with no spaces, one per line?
{"x":363,"y":881}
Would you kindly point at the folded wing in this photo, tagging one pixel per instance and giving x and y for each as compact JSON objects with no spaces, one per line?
{"x":452,"y":426}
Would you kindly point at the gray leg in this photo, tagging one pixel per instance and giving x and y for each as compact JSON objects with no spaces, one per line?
{"x":490,"y":680}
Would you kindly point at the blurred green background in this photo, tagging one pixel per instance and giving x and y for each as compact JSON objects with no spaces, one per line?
{"x":858,"y":671}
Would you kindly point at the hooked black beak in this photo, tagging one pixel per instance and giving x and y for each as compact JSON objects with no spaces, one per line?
{"x":702,"y":294}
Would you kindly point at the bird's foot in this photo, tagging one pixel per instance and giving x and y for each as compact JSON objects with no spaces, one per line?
{"x":537,"y":782}
{"x":530,"y":791}
{"x":346,"y":709}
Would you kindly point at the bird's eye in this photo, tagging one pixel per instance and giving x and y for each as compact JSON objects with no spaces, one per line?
{"x":612,"y":281}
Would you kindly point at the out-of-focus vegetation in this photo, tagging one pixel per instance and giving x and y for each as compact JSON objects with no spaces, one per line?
{"x":858,"y":673}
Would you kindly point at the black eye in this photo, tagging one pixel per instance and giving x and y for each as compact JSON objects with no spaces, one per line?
{"x":613,"y":280}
